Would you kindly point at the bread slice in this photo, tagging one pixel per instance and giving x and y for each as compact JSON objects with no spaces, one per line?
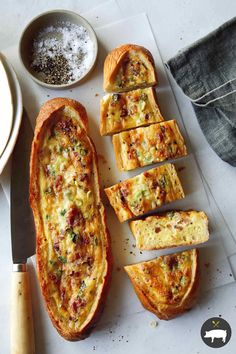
{"x":147,"y":145}
{"x":171,"y":229}
{"x":73,"y":244}
{"x":129,"y":67}
{"x":145,"y":192}
{"x":167,"y":285}
{"x":122,"y":111}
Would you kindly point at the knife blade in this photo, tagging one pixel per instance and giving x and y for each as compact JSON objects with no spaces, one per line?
{"x":23,"y":243}
{"x":22,"y":226}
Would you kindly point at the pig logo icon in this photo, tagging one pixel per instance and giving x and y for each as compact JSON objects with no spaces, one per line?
{"x":216,"y":332}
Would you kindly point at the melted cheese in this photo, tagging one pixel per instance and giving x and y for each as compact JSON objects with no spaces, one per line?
{"x":72,"y":250}
{"x":166,"y":280}
{"x":128,"y":110}
{"x":133,"y":71}
{"x":145,"y":192}
{"x":175,"y":228}
{"x":144,"y":146}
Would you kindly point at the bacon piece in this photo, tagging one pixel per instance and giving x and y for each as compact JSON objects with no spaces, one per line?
{"x":75,"y":217}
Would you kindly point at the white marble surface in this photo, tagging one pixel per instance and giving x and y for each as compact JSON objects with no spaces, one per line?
{"x":175,"y":24}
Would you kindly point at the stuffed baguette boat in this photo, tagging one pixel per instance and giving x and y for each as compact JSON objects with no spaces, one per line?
{"x":147,"y":145}
{"x":167,"y":285}
{"x":128,"y":67}
{"x":73,"y":249}
{"x":127,"y":110}
{"x":145,"y":192}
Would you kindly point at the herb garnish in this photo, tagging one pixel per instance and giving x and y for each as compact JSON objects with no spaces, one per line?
{"x":74,"y":237}
{"x":62,"y":259}
{"x":63,"y":212}
{"x":115,"y":97}
{"x":81,"y":289}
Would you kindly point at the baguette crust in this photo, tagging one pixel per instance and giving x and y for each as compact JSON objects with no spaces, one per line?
{"x":167,"y":285}
{"x":145,"y":192}
{"x":147,"y":145}
{"x":170,"y":229}
{"x":56,"y":111}
{"x":114,"y":61}
{"x":129,"y":110}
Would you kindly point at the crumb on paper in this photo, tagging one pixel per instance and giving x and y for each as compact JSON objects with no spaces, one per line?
{"x":181,"y":168}
{"x":96,"y":94}
{"x":153,"y":324}
{"x":207,"y":265}
{"x":102,"y":158}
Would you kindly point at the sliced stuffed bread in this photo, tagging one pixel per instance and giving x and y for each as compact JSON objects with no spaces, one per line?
{"x":147,"y":145}
{"x":129,"y":67}
{"x":167,"y":285}
{"x":122,"y":111}
{"x":73,"y":244}
{"x":171,"y":229}
{"x":145,"y":192}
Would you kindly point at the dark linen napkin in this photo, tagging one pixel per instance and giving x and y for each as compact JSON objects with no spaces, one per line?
{"x":206,"y":73}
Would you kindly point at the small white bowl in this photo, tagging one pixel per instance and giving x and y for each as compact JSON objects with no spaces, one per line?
{"x":42,"y":21}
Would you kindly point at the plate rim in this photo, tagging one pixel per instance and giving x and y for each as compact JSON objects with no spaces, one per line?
{"x":17,"y":113}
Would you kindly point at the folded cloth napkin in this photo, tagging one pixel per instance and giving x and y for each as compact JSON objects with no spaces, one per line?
{"x":206,"y":73}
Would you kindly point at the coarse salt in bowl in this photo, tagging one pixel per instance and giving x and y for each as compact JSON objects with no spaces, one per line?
{"x":58,"y":49}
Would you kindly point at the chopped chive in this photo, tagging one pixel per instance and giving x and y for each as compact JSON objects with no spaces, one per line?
{"x":143,"y":96}
{"x":63,"y":212}
{"x":74,"y":237}
{"x":62,"y":259}
{"x":52,"y":262}
{"x":58,"y":273}
{"x":83,"y":151}
{"x":81,"y":289}
{"x":48,"y":190}
{"x":115,"y":97}
{"x":182,"y":280}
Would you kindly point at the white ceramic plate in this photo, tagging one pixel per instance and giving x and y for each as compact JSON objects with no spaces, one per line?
{"x":6,"y":107}
{"x":17,"y":112}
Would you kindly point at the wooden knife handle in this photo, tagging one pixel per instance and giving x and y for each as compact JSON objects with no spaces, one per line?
{"x":22,"y":330}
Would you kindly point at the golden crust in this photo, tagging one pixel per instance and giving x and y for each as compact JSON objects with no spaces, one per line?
{"x":46,"y":116}
{"x":163,"y":141}
{"x":170,"y":229}
{"x":145,"y":192}
{"x":167,"y":298}
{"x":51,"y":106}
{"x":114,"y":60}
{"x":118,"y":153}
{"x":127,"y":110}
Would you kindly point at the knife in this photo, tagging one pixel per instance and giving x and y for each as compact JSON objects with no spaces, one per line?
{"x":23,"y":243}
